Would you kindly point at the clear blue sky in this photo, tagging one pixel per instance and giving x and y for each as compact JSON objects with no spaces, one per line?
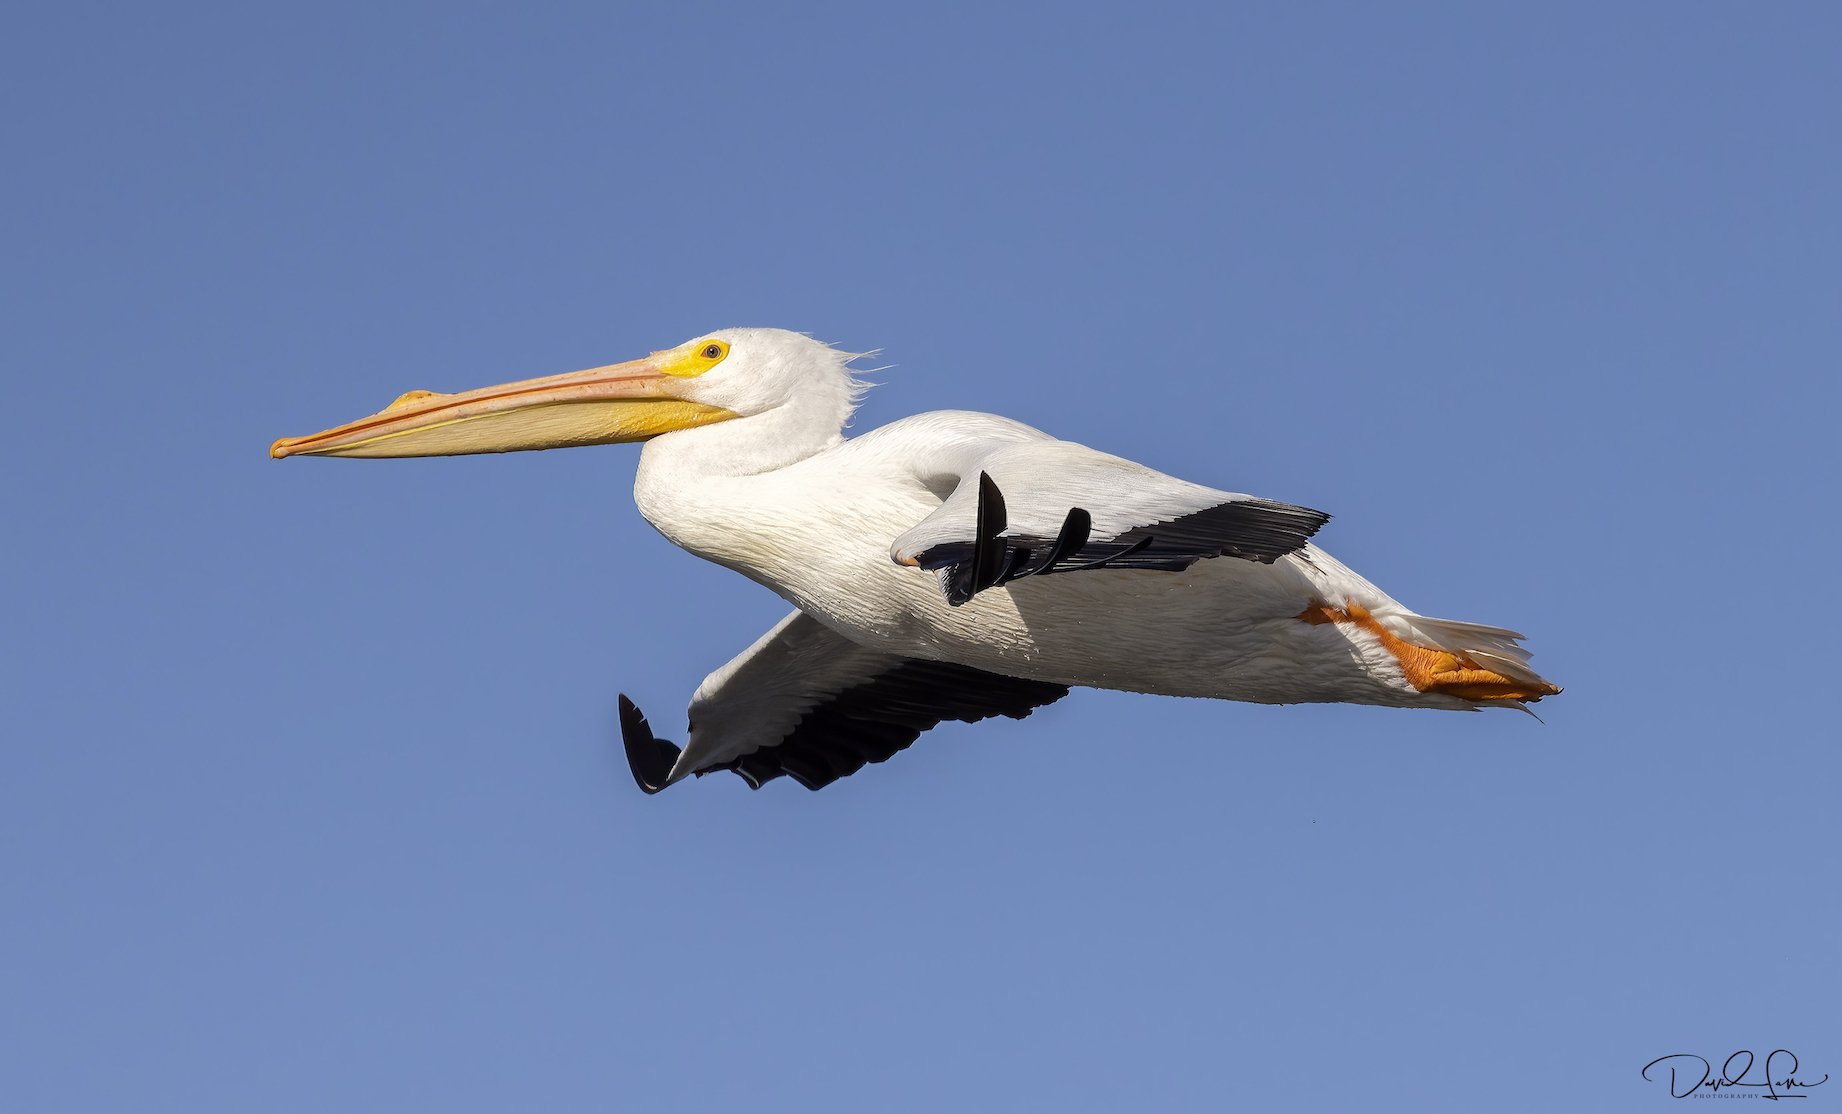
{"x":310,"y":799}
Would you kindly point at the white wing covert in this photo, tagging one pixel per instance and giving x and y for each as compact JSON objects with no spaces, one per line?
{"x":807,"y":702}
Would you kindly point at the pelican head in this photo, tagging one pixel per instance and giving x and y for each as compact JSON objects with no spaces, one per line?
{"x":717,"y":377}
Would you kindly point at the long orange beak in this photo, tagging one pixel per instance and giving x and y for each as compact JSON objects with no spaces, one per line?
{"x":603,"y":405}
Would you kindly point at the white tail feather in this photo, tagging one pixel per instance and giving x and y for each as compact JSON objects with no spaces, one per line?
{"x":1495,"y":648}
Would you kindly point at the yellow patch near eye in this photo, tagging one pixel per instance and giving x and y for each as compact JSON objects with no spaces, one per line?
{"x":694,"y":359}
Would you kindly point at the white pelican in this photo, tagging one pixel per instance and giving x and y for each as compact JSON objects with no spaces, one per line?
{"x":951,"y":566}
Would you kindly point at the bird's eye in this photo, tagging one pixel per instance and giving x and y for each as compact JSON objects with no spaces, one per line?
{"x":712,"y":351}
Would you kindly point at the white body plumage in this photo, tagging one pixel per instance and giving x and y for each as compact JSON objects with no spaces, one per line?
{"x":818,"y":532}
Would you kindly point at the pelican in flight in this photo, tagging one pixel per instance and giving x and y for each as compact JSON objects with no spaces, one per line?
{"x":950,"y":566}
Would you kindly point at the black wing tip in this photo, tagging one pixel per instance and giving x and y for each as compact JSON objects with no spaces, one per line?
{"x":968,"y":568}
{"x":650,"y":758}
{"x":1244,"y":527}
{"x":1251,"y":529}
{"x":1306,"y":522}
{"x":1314,"y":519}
{"x":993,"y":518}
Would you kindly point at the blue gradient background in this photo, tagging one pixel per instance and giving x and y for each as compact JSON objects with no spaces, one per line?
{"x":310,"y":799}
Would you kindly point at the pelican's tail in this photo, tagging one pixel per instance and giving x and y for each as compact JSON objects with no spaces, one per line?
{"x":1486,"y":663}
{"x":1483,"y":664}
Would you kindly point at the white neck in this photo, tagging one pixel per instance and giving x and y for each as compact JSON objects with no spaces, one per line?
{"x":747,"y":446}
{"x":696,"y":485}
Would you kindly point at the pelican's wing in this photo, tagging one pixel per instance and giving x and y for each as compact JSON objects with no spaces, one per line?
{"x":1033,"y":507}
{"x":806,"y":701}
